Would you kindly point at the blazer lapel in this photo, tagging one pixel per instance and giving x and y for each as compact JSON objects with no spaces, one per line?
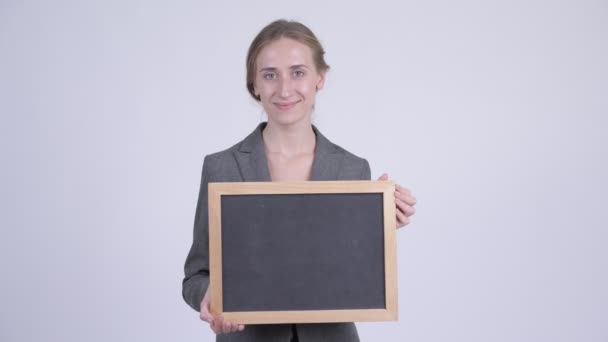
{"x":251,"y":157}
{"x":326,"y":164}
{"x":252,"y":162}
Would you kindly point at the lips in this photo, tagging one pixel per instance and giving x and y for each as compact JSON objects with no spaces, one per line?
{"x":285,"y":105}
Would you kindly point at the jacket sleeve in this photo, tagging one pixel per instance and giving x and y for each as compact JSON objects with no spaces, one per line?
{"x":196,"y":268}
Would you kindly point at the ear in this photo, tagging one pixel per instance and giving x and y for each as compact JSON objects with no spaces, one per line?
{"x":321,"y":81}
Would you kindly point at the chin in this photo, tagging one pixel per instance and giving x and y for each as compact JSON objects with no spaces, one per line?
{"x":288,"y":118}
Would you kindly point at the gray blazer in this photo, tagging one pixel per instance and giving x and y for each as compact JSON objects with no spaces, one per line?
{"x":246,"y":162}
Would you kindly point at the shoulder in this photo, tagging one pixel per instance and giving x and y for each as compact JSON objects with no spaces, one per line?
{"x":349,"y":157}
{"x":327,"y":146}
{"x":353,"y":166}
{"x":224,"y":165}
{"x":221,"y":166}
{"x":350,"y":165}
{"x":221,"y":157}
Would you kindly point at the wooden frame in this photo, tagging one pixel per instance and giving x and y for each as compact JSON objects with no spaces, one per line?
{"x":385,"y":188}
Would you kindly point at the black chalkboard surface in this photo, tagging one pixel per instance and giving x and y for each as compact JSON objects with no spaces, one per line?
{"x":303,"y":252}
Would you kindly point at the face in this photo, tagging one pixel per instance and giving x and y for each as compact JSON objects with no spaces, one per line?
{"x":287,"y":81}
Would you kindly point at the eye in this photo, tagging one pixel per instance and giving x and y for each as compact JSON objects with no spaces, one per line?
{"x":298,"y":73}
{"x":270,"y":76}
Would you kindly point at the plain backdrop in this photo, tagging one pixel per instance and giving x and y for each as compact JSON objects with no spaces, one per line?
{"x":493,"y":112}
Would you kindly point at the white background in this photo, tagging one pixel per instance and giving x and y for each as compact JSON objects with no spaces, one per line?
{"x":493,"y":113}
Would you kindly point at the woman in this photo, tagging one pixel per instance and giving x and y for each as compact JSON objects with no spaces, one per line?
{"x":285,"y":70}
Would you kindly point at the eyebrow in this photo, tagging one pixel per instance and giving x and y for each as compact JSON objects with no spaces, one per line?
{"x":297,"y":66}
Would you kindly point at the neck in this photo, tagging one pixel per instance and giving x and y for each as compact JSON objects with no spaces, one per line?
{"x":289,"y":139}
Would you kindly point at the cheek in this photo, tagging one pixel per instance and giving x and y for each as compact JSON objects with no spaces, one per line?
{"x":266,"y":93}
{"x":306,"y":87}
{"x":264,"y":89}
{"x":310,"y":89}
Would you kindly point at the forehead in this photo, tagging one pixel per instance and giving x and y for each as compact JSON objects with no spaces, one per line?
{"x":284,"y":53}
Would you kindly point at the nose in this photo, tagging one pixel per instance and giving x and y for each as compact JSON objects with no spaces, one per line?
{"x":285,"y":87}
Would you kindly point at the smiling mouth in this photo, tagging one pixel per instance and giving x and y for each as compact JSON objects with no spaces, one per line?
{"x":285,"y":105}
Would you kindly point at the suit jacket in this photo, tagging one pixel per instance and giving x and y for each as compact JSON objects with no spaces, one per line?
{"x":246,"y":162}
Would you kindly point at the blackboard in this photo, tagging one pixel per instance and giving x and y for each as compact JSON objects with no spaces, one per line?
{"x":303,"y":252}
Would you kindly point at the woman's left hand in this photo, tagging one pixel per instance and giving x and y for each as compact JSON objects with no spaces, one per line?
{"x":404,"y":201}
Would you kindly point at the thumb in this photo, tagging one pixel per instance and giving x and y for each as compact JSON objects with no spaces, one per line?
{"x":205,"y":315}
{"x":383,"y":177}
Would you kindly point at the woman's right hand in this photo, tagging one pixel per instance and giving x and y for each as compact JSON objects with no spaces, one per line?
{"x":218,"y":325}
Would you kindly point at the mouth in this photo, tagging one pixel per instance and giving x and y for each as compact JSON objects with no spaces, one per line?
{"x":285,"y":105}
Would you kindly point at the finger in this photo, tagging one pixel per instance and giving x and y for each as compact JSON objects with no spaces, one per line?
{"x":231,"y":327}
{"x":213,"y":324}
{"x":402,"y":220}
{"x":405,"y":193}
{"x":410,"y":200}
{"x":218,"y":325}
{"x":223,"y":325}
{"x":383,"y":177}
{"x":205,"y":315}
{"x":403,"y":190}
{"x":226,"y":328}
{"x":406,"y":209}
{"x":241,"y":327}
{"x":215,"y":328}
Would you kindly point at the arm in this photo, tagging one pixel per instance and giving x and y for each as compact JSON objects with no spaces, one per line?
{"x":195,"y":286}
{"x":196,"y":268}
